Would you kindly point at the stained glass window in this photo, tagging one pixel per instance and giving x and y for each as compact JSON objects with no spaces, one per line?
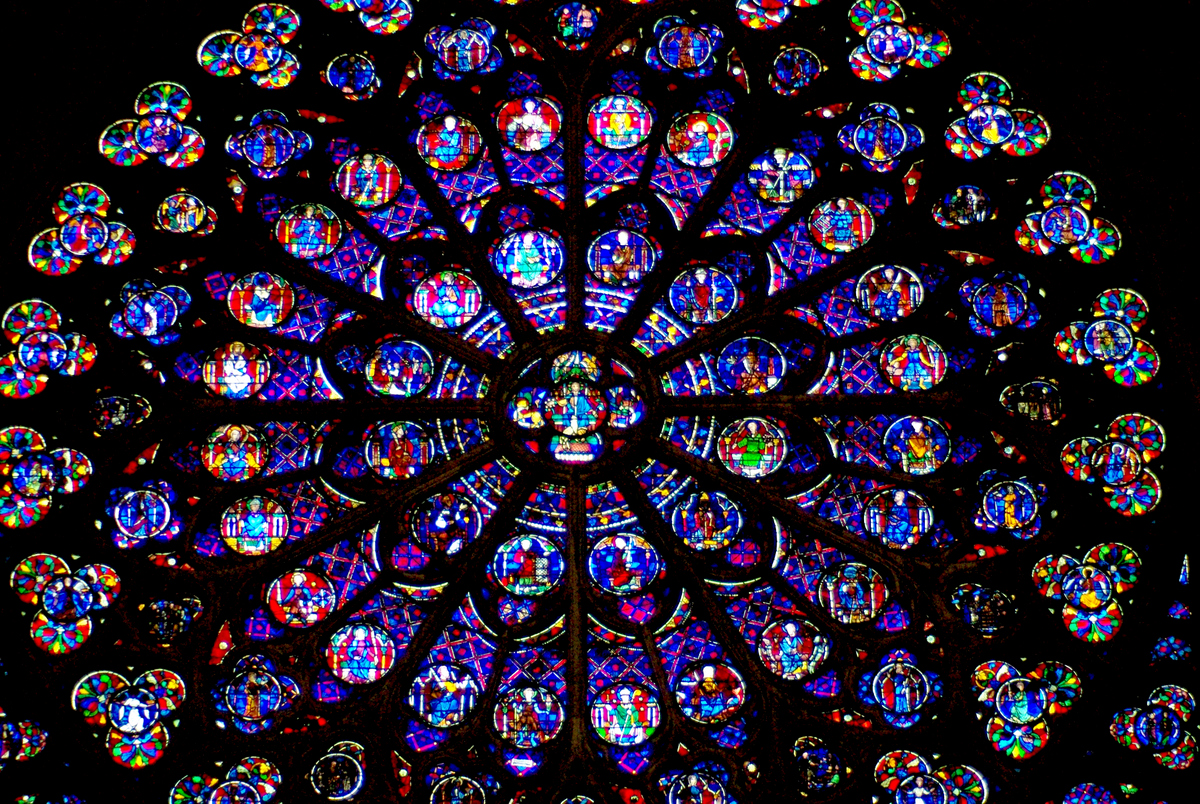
{"x":590,"y":402}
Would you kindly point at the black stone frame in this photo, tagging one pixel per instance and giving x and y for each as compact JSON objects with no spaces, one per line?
{"x":1108,"y":86}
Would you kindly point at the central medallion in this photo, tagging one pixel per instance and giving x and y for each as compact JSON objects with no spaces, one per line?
{"x":575,"y":406}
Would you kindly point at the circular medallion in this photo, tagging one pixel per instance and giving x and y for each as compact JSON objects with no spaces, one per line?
{"x":890,"y":44}
{"x":700,"y":139}
{"x":309,"y":231}
{"x":368,"y":180}
{"x":1022,"y":700}
{"x":142,"y":514}
{"x":234,"y":453}
{"x":704,"y":295}
{"x":793,"y":69}
{"x":897,"y":517}
{"x":529,"y":124}
{"x":133,"y":710}
{"x":254,"y":526}
{"x":852,"y":592}
{"x":447,"y":299}
{"x":710,"y":693}
{"x":990,"y":123}
{"x":619,"y":122}
{"x":527,"y":566}
{"x":1087,"y":586}
{"x":449,"y":143}
{"x":913,"y":363}
{"x":707,"y":521}
{"x":841,"y":225}
{"x":528,"y":716}
{"x":399,"y":368}
{"x":360,"y":653}
{"x":446,"y":523}
{"x":621,"y":257}
{"x":528,"y":258}
{"x":624,"y":564}
{"x":685,"y":47}
{"x":900,"y":687}
{"x":917,"y":444}
{"x":793,"y":649}
{"x":1065,"y":224}
{"x":625,"y":714}
{"x":1108,"y":340}
{"x":780,"y":176}
{"x":575,"y":408}
{"x":337,"y":776}
{"x":236,"y":370}
{"x":443,"y":695}
{"x":301,"y":598}
{"x":66,"y":598}
{"x":181,"y":213}
{"x":261,"y":300}
{"x":397,"y":450}
{"x":751,"y":366}
{"x":1010,"y":504}
{"x":752,"y":448}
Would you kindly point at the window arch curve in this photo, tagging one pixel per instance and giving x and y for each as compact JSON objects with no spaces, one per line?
{"x":738,"y":457}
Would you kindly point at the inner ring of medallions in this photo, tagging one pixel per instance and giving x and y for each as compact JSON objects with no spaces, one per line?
{"x":593,"y":410}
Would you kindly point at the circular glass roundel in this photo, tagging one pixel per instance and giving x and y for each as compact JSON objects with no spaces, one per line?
{"x":527,"y":717}
{"x":710,"y":693}
{"x":625,"y":714}
{"x":707,"y":521}
{"x":454,"y":789}
{"x":443,"y":695}
{"x":446,"y":523}
{"x":780,"y":176}
{"x":133,"y":710}
{"x":398,"y":450}
{"x":700,"y":139}
{"x":917,"y":444}
{"x":889,"y":292}
{"x":751,"y":366}
{"x":914,"y":363}
{"x":309,"y":232}
{"x":399,"y":368}
{"x":793,"y":649}
{"x":529,"y":258}
{"x":1022,"y":700}
{"x":360,"y":653}
{"x":527,"y":566}
{"x":704,"y":295}
{"x":1010,"y":504}
{"x":337,"y":776}
{"x":852,"y":593}
{"x":685,"y":47}
{"x":897,"y":517}
{"x":368,"y":180}
{"x":449,"y":143}
{"x":301,"y":599}
{"x":261,"y":300}
{"x":752,"y":447}
{"x":67,"y":598}
{"x":447,"y":299}
{"x":621,"y":257}
{"x":255,"y":526}
{"x":529,"y":124}
{"x":624,"y":564}
{"x":619,"y":122}
{"x":236,"y":370}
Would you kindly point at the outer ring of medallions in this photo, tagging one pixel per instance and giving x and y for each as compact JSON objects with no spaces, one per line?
{"x":543,"y":465}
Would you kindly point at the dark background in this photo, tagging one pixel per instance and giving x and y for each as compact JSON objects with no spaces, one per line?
{"x":1115,"y":89}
